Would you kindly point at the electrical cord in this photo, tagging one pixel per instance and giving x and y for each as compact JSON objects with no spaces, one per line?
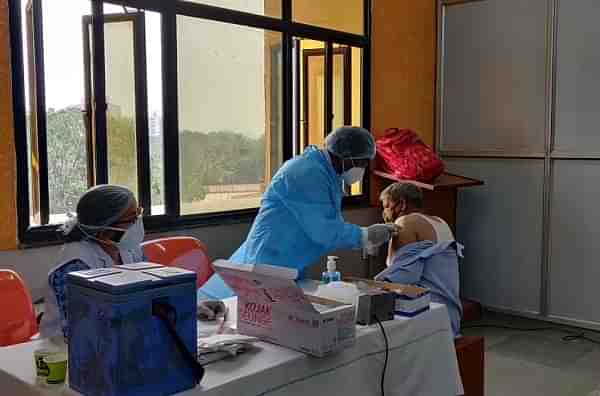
{"x":38,"y":318}
{"x":387,"y":353}
{"x":571,"y":335}
{"x":167,"y":314}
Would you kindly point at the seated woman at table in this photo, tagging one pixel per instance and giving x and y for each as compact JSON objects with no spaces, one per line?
{"x":424,"y":252}
{"x":107,"y":231}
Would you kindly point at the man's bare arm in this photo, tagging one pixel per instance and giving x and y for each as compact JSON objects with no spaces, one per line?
{"x":407,"y":234}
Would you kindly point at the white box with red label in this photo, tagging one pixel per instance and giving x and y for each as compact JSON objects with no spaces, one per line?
{"x":272,"y":307}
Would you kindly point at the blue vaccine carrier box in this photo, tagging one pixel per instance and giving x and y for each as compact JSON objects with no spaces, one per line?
{"x":116,"y":346}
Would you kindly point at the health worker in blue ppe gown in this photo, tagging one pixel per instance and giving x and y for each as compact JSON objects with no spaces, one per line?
{"x":300,"y":218}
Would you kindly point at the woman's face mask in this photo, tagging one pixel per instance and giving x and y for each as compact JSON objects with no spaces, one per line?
{"x":133,"y":236}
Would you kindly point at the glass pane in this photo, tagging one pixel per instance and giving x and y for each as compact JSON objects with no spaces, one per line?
{"x":296,"y":96}
{"x":312,"y":93}
{"x":155,"y":103}
{"x":343,"y":15}
{"x":274,"y":104}
{"x":271,"y":8}
{"x":347,"y":92}
{"x":30,"y":115}
{"x":155,"y":110}
{"x":356,"y":87}
{"x":229,"y":114}
{"x":120,"y":99}
{"x":355,"y":100}
{"x":66,"y":125}
{"x":315,"y":94}
{"x":339,"y":94}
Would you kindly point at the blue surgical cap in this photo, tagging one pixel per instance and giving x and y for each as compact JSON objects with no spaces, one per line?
{"x":103,"y":205}
{"x":351,"y":143}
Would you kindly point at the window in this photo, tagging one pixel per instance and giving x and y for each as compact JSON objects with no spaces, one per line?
{"x":56,"y":133}
{"x":223,"y":153}
{"x":316,"y":81}
{"x":126,"y":107}
{"x":193,"y":105}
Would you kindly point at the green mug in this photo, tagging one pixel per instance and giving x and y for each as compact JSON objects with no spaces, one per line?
{"x":57,"y":368}
{"x":40,"y":367}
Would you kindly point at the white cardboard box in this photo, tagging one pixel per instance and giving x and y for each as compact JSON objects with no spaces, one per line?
{"x":410,"y":300}
{"x":273,"y":308}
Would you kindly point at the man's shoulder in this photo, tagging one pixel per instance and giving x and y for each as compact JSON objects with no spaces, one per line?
{"x":413,"y":226}
{"x":408,"y":219}
{"x":408,"y":228}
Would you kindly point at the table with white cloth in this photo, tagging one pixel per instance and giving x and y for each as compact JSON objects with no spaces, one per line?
{"x":422,"y":361}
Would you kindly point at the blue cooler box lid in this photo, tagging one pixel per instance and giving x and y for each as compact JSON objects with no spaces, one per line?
{"x":168,"y":273}
{"x":139,"y":266}
{"x":98,"y":272}
{"x":119,"y":280}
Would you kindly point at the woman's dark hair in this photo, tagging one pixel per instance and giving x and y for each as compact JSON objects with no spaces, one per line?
{"x":99,"y":206}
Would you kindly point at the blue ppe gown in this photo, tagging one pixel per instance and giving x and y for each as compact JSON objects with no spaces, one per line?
{"x":299,"y":221}
{"x":434,"y":266}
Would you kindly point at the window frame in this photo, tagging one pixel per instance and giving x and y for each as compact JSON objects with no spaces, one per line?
{"x":137,"y":20}
{"x":172,"y":219}
{"x":346,"y":53}
{"x":37,"y":102}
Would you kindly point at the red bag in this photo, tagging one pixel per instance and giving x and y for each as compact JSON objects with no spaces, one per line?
{"x":400,"y":152}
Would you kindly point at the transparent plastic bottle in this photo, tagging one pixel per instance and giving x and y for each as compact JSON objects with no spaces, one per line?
{"x":331,"y":275}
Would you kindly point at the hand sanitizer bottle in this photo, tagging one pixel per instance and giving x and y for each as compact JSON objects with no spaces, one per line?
{"x":331,"y":275}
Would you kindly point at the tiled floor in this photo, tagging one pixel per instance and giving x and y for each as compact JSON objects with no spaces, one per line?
{"x":537,"y":363}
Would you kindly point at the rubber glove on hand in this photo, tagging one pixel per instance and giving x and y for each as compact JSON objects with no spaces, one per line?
{"x":378,"y":234}
{"x":209,"y":310}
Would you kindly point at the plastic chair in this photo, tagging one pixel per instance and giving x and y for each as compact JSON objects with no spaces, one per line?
{"x":182,"y":252}
{"x":17,"y":316}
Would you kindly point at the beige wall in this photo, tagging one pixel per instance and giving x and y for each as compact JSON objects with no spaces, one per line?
{"x":403,"y":66}
{"x":345,"y":15}
{"x":403,"y":69}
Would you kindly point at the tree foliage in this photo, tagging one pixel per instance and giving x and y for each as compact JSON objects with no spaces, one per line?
{"x":214,"y":158}
{"x":122,"y":153}
{"x":67,"y":166}
{"x":218,"y":158}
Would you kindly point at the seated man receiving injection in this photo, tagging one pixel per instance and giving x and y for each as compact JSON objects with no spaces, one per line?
{"x":424,"y":252}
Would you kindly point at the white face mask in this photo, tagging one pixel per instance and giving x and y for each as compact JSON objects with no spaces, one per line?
{"x":353,"y":175}
{"x":133,"y":236}
{"x":131,"y":239}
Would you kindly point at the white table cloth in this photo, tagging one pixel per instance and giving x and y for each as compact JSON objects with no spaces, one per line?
{"x":422,"y":362}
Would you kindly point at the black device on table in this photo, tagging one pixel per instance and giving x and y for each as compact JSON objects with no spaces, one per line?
{"x":374,"y":306}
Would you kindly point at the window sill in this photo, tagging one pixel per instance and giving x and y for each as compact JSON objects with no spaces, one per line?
{"x":49,"y":235}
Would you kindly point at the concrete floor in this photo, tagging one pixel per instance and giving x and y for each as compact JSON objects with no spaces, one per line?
{"x":537,"y":363}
